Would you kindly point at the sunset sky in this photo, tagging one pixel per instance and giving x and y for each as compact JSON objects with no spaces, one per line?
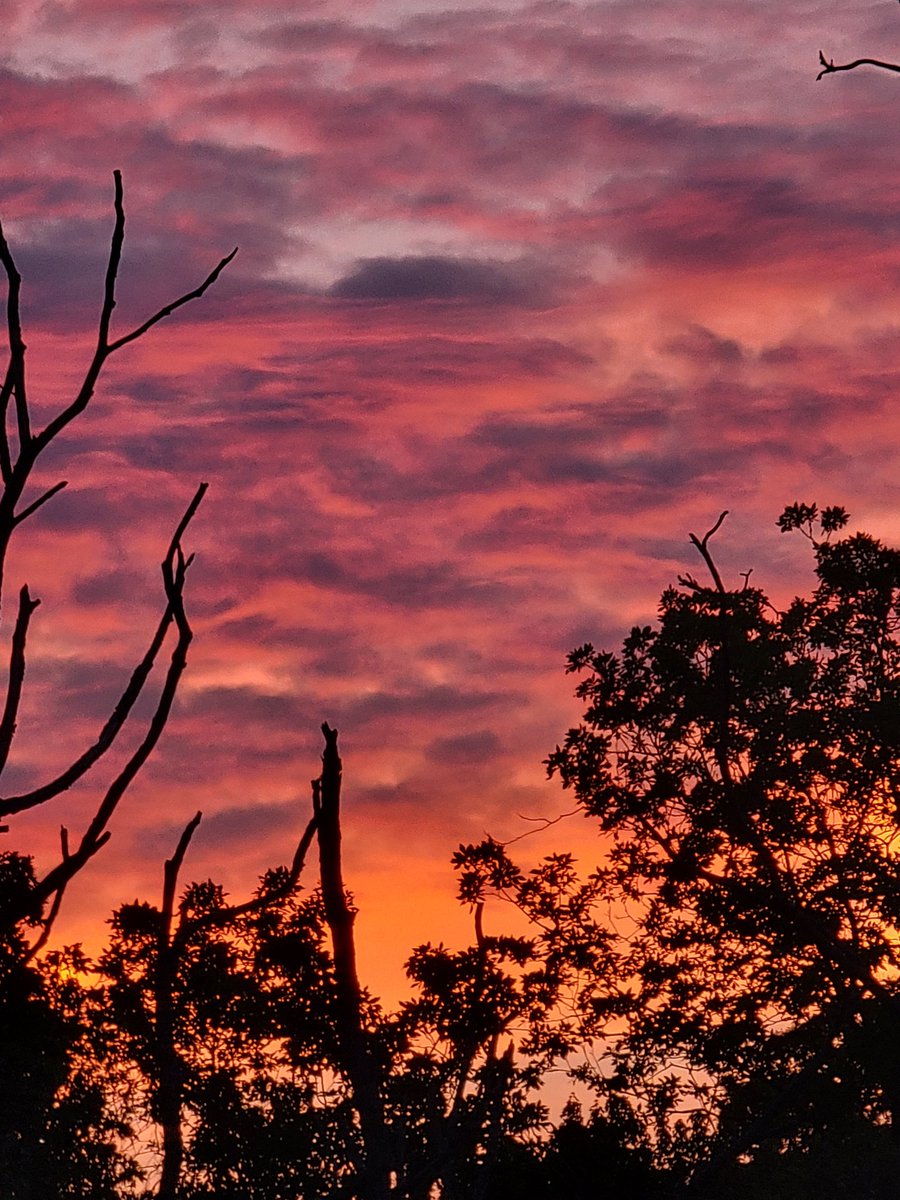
{"x":525,"y":294}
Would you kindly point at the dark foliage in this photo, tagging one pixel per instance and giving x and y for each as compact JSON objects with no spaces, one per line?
{"x":744,"y":763}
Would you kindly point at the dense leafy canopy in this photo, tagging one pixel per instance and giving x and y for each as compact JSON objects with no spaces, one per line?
{"x":744,"y":762}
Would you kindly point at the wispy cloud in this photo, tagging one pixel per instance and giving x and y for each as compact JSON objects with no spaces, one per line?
{"x":525,"y":292}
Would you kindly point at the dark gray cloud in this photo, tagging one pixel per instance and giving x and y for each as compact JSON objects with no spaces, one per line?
{"x":429,"y":277}
{"x":703,"y":346}
{"x":266,"y":824}
{"x":465,"y":749}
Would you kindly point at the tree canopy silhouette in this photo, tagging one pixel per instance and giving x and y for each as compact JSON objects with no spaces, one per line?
{"x":744,"y":764}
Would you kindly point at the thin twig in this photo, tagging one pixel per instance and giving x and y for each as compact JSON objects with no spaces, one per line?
{"x":168,"y":309}
{"x":541,"y":823}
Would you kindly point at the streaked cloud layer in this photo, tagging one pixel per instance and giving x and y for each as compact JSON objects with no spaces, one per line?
{"x":525,"y":293}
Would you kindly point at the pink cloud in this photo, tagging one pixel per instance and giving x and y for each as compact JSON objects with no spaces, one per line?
{"x":525,"y":293}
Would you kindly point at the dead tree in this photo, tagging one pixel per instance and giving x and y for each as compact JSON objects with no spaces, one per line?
{"x":21,"y":447}
{"x":357,"y":1060}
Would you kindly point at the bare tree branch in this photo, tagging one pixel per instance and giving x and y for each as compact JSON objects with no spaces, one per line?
{"x":36,"y":504}
{"x":106,"y":737}
{"x":829,"y":67}
{"x":16,"y":344}
{"x":168,"y":309}
{"x":105,"y":347}
{"x":702,"y":545}
{"x":16,"y":674}
{"x":119,"y":715}
{"x":50,"y":919}
{"x":15,"y":471}
{"x":173,"y":569}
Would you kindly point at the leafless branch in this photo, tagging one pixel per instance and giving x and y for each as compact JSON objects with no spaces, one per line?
{"x":96,"y":834}
{"x":106,"y":737}
{"x":829,"y":67}
{"x":15,"y":471}
{"x":540,"y":824}
{"x":168,"y":309}
{"x":105,"y":347}
{"x":16,"y":674}
{"x":36,"y":504}
{"x":702,"y":545}
{"x":173,"y":866}
{"x":119,"y":715}
{"x":16,"y":374}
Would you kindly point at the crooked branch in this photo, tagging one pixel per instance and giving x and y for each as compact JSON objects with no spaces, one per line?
{"x":830,"y":67}
{"x":109,"y":732}
{"x":174,"y":568}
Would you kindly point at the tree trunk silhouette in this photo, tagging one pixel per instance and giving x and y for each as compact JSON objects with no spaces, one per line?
{"x":357,"y":1061}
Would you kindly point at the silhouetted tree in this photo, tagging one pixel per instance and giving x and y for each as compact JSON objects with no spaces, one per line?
{"x":21,"y":448}
{"x":42,"y":1034}
{"x":57,"y":1136}
{"x":222,"y":1019}
{"x":743,"y":764}
{"x":235,"y":1040}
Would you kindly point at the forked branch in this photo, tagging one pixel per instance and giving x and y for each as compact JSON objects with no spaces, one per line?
{"x":174,"y":568}
{"x":16,"y":469}
{"x":105,"y":347}
{"x":702,"y":545}
{"x":20,"y":450}
{"x":109,"y":732}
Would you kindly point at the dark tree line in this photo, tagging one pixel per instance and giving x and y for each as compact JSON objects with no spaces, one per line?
{"x":722,"y":993}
